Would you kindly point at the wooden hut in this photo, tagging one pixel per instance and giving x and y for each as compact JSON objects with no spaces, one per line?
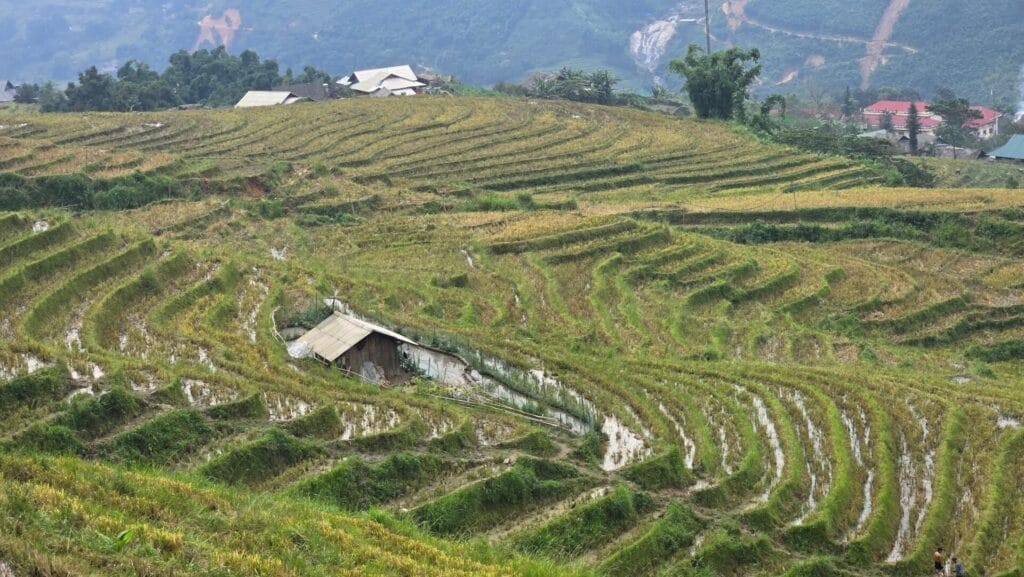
{"x":357,"y":347}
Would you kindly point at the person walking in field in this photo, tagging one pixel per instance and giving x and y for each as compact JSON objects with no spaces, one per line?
{"x":940,"y":563}
{"x":958,"y":568}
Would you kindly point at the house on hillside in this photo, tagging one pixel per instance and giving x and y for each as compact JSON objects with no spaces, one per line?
{"x":984,"y":128}
{"x":1012,"y":150}
{"x":356,"y":347}
{"x":987,"y":126}
{"x":874,"y":118}
{"x":7,"y":91}
{"x":391,"y":81}
{"x":255,"y":98}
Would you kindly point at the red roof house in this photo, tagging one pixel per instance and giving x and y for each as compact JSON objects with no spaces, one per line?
{"x":985,"y":127}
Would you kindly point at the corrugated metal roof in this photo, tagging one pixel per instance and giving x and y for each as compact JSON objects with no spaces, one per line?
{"x":404,"y":71}
{"x":7,"y":91}
{"x":339,"y":333}
{"x":391,"y":82}
{"x":266,"y":98}
{"x":394,"y":83}
{"x":1013,"y":150}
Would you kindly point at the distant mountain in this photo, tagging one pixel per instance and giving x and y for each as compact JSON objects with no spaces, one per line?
{"x":971,"y":47}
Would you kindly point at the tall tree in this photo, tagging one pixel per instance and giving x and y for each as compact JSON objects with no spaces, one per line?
{"x":849,"y":106}
{"x":955,"y":113}
{"x":913,"y":127}
{"x":718,"y":83}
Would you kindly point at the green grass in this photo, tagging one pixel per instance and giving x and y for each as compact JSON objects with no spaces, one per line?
{"x":675,"y":302}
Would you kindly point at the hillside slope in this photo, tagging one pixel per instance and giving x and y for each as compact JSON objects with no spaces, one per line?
{"x":899,"y":43}
{"x":688,"y":352}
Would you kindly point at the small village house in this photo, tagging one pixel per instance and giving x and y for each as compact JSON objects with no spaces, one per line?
{"x":356,"y":347}
{"x":391,"y":81}
{"x":7,"y":91}
{"x":874,"y":118}
{"x":255,"y":98}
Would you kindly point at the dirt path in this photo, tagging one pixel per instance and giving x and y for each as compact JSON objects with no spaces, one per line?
{"x":876,"y":48}
{"x":735,"y":12}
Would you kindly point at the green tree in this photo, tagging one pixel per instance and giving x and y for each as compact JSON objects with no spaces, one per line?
{"x":955,"y":113}
{"x":51,"y":99}
{"x":577,"y":85}
{"x":887,"y":121}
{"x":95,"y":91}
{"x":849,"y":106}
{"x":913,"y":127}
{"x":26,"y":93}
{"x":718,"y":83}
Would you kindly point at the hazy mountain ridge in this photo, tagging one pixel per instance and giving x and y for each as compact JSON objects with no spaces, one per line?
{"x":832,"y":43}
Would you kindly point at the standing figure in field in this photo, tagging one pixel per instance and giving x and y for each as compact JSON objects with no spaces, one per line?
{"x":958,"y":568}
{"x":940,"y":562}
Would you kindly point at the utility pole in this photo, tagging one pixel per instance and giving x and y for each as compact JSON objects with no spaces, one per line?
{"x":707,"y":26}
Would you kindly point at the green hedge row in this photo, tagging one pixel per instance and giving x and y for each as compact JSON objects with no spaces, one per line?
{"x":81,"y":192}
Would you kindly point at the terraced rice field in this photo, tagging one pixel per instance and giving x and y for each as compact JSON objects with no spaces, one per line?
{"x":690,"y":352}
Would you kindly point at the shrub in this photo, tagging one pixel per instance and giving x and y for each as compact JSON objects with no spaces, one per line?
{"x":672,"y":533}
{"x":323,"y":423}
{"x":358,"y":485}
{"x":251,"y":407}
{"x":528,"y":483}
{"x":50,"y":438}
{"x":588,"y":526}
{"x":536,"y":443}
{"x":727,"y":551}
{"x":163,"y":439}
{"x":34,"y":390}
{"x":661,"y":472}
{"x":261,"y":460}
{"x":591,"y":448}
{"x":456,"y":441}
{"x":97,"y":416}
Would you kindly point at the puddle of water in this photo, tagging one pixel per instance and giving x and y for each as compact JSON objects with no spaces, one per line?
{"x":624,"y":445}
{"x":251,"y":320}
{"x":202,"y":394}
{"x":285,"y":408}
{"x":490,"y":434}
{"x":819,"y":459}
{"x":466,"y":381}
{"x":688,"y":444}
{"x":204,"y":359}
{"x":364,"y":420}
{"x":764,"y":421}
{"x":86,"y":391}
{"x":73,"y":339}
{"x":34,"y":363}
{"x":1007,"y":422}
{"x":865,"y":513}
{"x":469,"y":258}
{"x":908,"y":498}
{"x":723,"y":439}
{"x":860,"y":445}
